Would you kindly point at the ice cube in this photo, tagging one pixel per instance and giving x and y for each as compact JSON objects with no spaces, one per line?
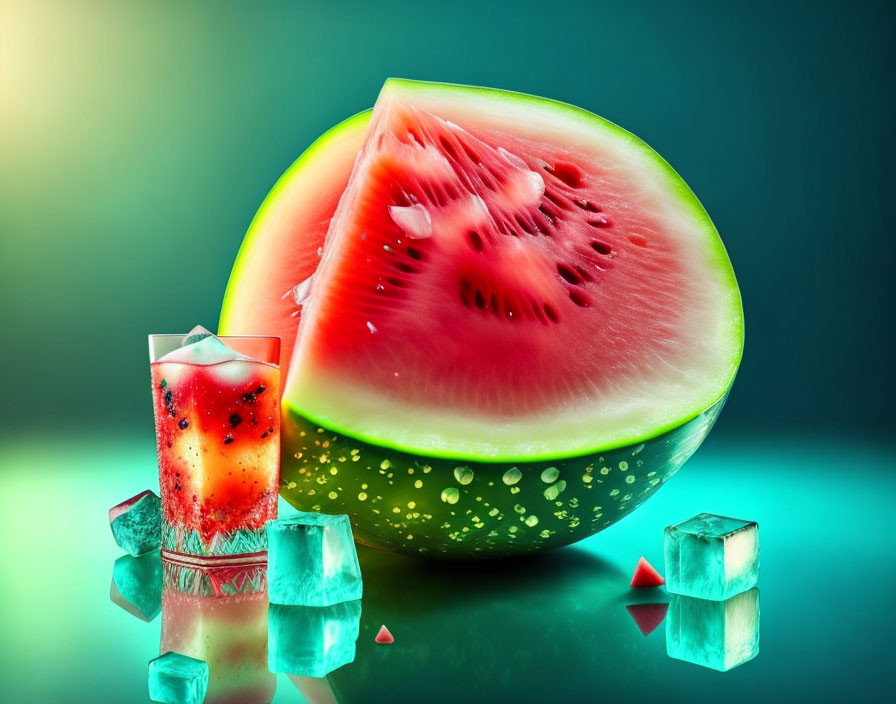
{"x":137,"y":584}
{"x":202,"y":348}
{"x":177,"y":679}
{"x":715,"y":634}
{"x":195,"y":335}
{"x":137,"y":523}
{"x":312,"y":560}
{"x":711,"y":557}
{"x":312,"y":641}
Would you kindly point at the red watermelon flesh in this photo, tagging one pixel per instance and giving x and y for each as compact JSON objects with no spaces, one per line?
{"x":494,"y":287}
{"x":646,"y":576}
{"x":283,"y":246}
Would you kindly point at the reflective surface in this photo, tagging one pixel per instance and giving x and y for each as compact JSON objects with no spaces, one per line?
{"x":564,"y":624}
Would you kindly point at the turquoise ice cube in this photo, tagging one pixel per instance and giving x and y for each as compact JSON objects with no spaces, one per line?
{"x":715,"y":634}
{"x":137,"y":523}
{"x":312,"y":641}
{"x":177,"y":679}
{"x":137,"y":584}
{"x":312,"y":560}
{"x":711,"y":557}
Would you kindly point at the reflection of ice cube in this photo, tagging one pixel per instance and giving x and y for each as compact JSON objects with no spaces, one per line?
{"x":137,"y":585}
{"x":312,"y":560}
{"x":312,"y":640}
{"x":711,"y":557}
{"x":715,"y":634}
{"x":202,"y":348}
{"x":177,"y":679}
{"x":137,"y":523}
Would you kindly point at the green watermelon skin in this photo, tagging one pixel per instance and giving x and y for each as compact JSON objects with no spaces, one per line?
{"x":440,"y":507}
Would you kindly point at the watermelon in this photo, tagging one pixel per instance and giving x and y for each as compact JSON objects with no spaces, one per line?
{"x":521,"y":323}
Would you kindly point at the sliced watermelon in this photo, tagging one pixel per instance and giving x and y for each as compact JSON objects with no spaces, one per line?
{"x":283,"y":246}
{"x":512,"y":278}
{"x":646,"y":576}
{"x":522,"y":325}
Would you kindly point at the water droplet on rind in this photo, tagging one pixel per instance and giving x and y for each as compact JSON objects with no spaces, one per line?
{"x":463,"y":475}
{"x":450,"y":495}
{"x":511,"y":476}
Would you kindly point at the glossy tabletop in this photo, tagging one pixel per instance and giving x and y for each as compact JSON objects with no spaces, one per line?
{"x":553,"y":627}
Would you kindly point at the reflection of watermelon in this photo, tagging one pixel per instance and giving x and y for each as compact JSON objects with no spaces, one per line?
{"x":515,"y":631}
{"x":523,"y":321}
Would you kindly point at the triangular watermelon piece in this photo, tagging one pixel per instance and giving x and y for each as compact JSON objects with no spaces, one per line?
{"x":646,"y":576}
{"x":384,"y":636}
{"x":510,"y":277}
{"x":647,"y":616}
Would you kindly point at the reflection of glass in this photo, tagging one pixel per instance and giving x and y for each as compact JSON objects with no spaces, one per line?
{"x":218,"y":437}
{"x":137,"y":585}
{"x":715,"y":634}
{"x":228,"y":632}
{"x":312,"y":641}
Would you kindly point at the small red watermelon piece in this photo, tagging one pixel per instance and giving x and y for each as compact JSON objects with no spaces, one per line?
{"x":647,"y":616}
{"x":384,"y":636}
{"x":646,"y":576}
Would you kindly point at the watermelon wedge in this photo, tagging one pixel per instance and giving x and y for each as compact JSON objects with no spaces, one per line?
{"x":522,"y":323}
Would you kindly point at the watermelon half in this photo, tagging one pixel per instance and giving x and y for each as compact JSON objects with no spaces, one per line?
{"x":522,"y":321}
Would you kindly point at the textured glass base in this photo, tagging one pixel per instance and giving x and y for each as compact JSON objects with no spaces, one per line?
{"x":217,"y":580}
{"x":177,"y":539}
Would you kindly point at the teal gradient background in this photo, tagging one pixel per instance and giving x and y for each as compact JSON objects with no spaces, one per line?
{"x":137,"y":140}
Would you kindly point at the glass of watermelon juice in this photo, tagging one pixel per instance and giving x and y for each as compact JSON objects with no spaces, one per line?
{"x":217,"y":417}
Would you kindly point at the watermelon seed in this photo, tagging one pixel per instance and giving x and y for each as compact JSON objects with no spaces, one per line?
{"x":568,"y":173}
{"x":404,"y":267}
{"x":525,"y":225}
{"x":474,"y":157}
{"x":568,"y":274}
{"x":235,"y":420}
{"x":551,"y":313}
{"x":584,"y":274}
{"x":556,"y":201}
{"x":475,"y":240}
{"x":395,"y":282}
{"x":479,"y":300}
{"x":579,"y":298}
{"x":448,"y":148}
{"x":228,"y":439}
{"x":586,"y":205}
{"x":547,"y":214}
{"x":638,"y":240}
{"x":601,"y":247}
{"x":415,"y":253}
{"x":600,"y":222}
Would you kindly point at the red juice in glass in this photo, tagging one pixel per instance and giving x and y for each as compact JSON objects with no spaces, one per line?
{"x":217,"y":418}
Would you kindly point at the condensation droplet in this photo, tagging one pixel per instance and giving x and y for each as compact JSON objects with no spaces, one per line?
{"x":371,"y":327}
{"x":553,"y":491}
{"x":463,"y":475}
{"x":450,"y":495}
{"x":550,"y":474}
{"x":512,"y":476}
